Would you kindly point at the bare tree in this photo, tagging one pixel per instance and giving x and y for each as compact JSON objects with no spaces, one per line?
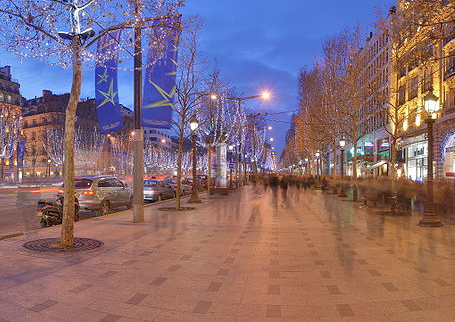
{"x":9,"y":132}
{"x":188,"y":90}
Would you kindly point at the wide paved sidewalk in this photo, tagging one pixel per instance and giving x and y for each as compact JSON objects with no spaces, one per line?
{"x":249,"y":256}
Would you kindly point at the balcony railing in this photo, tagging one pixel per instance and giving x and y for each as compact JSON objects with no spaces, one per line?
{"x":448,"y":108}
{"x":8,"y":78}
{"x":449,"y":38}
{"x":449,"y":72}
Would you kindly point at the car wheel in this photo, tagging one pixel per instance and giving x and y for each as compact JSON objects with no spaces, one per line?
{"x":160,"y":198}
{"x":105,"y":208}
{"x":175,"y":194}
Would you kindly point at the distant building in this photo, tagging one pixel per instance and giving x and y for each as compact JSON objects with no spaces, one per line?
{"x":158,"y":137}
{"x":9,"y":88}
{"x":42,"y":114}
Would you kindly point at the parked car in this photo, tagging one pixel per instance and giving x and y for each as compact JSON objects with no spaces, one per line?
{"x":185,"y":187}
{"x":155,"y":190}
{"x":101,"y":193}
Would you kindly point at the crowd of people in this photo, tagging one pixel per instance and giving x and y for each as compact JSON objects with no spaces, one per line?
{"x":275,"y":181}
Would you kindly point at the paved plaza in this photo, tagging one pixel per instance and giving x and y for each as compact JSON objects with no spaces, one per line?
{"x":250,"y":256}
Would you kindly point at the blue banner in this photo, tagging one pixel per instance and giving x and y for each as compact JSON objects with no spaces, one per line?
{"x":106,"y":84}
{"x":20,"y":153}
{"x":160,"y":75}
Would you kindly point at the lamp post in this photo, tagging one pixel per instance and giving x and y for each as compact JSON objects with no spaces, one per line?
{"x":194,"y":125}
{"x":231,"y":186}
{"x":430,"y":219}
{"x":49,"y":167}
{"x":342,"y":145}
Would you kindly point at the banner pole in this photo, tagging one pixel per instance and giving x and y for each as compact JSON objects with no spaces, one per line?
{"x":138,"y":144}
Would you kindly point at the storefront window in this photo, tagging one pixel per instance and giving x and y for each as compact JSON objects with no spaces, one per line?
{"x":417,"y":162}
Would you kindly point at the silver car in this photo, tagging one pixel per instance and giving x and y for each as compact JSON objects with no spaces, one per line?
{"x":101,"y":193}
{"x":155,"y":190}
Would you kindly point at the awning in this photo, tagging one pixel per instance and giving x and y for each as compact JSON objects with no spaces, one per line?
{"x":374,"y":166}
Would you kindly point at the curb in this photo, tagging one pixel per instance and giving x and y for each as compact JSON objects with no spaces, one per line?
{"x":3,"y":237}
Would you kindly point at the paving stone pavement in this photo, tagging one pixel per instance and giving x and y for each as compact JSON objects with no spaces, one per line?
{"x":253,"y":255}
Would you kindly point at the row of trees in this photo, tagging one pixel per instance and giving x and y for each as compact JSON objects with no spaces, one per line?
{"x":349,"y":87}
{"x":44,"y":30}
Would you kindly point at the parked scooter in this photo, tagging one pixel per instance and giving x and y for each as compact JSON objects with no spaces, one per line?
{"x":50,"y":212}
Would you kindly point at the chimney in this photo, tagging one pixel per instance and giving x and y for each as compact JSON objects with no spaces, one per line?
{"x":47,"y":93}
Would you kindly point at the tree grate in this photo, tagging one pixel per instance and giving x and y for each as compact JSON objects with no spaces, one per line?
{"x":52,"y":245}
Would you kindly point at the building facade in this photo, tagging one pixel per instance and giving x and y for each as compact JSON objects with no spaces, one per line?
{"x":43,"y":120}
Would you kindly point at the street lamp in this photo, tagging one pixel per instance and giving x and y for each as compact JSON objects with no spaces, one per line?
{"x":430,"y":219}
{"x":269,"y":128}
{"x":342,"y":145}
{"x":272,"y":139}
{"x":49,"y":167}
{"x":194,"y":125}
{"x":317,"y":165}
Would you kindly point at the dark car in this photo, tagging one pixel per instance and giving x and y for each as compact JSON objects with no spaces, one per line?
{"x":185,"y":186}
{"x":156,"y":190}
{"x":101,"y":193}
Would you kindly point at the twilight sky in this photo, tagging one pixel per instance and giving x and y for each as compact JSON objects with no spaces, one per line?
{"x":258,"y":44}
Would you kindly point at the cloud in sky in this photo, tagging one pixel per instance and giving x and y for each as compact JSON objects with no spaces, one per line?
{"x":257,"y":44}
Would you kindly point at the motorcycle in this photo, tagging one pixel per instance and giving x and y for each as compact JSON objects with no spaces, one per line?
{"x":50,"y":212}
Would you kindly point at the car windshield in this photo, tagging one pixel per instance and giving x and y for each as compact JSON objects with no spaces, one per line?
{"x":82,"y":183}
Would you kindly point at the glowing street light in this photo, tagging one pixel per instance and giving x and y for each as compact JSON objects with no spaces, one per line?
{"x":213,"y":97}
{"x":269,"y":128}
{"x":271,"y":139}
{"x":194,"y":124}
{"x":163,"y":141}
{"x":265,"y":95}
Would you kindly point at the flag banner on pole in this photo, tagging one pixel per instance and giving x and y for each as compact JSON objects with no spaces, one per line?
{"x":160,"y":75}
{"x":20,"y":153}
{"x":106,"y":84}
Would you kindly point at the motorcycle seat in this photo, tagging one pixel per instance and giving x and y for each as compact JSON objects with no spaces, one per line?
{"x":48,"y":202}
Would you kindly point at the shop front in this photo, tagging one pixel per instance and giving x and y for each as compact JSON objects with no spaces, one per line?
{"x":416,"y":156}
{"x":448,"y":156}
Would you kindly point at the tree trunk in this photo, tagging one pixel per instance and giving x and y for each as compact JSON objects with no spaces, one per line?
{"x":393,"y":161}
{"x":1,"y":168}
{"x":355,"y":196}
{"x":179,"y":170}
{"x":67,"y":232}
{"x":209,"y":171}
{"x":335,"y":158}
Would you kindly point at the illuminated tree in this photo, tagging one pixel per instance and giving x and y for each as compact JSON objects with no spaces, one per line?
{"x":9,"y":132}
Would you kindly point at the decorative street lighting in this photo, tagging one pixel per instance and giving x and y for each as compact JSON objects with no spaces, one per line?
{"x":342,"y":145}
{"x":271,"y":139}
{"x":194,"y":125}
{"x":231,"y":186}
{"x":269,"y":128}
{"x":430,"y":219}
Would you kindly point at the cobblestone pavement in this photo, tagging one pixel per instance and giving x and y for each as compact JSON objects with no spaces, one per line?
{"x":249,"y":256}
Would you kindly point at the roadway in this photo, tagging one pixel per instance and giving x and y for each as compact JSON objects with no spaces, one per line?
{"x":18,"y":208}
